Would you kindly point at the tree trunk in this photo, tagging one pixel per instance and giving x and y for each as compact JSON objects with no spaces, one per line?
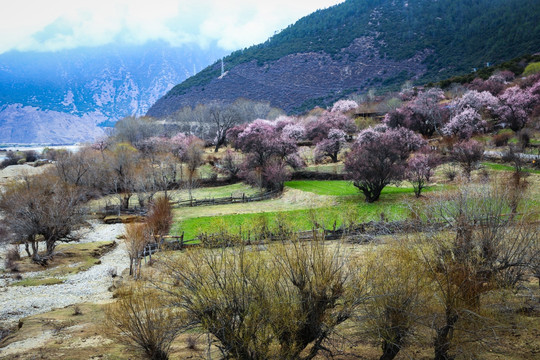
{"x":444,"y":337}
{"x":27,"y":247}
{"x":35,"y":252}
{"x":372,"y":195}
{"x":51,"y":245}
{"x":218,"y":144}
{"x":417,"y":190}
{"x":390,"y":350}
{"x":130,"y":266}
{"x":125,"y":202}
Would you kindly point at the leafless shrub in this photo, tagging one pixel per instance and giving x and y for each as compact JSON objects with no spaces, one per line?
{"x":524,"y":138}
{"x":229,"y":164}
{"x":77,"y":310}
{"x":192,"y":342}
{"x":11,"y":258}
{"x":285,"y":303}
{"x":397,"y":302}
{"x":159,"y":217}
{"x":113,"y":272}
{"x":136,"y":238}
{"x":57,"y":325}
{"x":501,"y":139}
{"x":144,"y":319}
{"x":450,"y":172}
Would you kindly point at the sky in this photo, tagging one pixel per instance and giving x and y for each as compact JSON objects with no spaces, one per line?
{"x":52,"y":25}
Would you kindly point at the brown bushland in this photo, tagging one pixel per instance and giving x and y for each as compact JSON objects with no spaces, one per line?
{"x":143,"y":318}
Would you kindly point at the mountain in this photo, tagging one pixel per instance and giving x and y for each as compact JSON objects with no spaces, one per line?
{"x":365,"y":44}
{"x":68,"y":96}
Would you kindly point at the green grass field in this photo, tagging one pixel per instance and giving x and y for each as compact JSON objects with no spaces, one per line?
{"x":302,"y":219}
{"x":503,"y":167}
{"x":348,"y":205}
{"x":339,"y":187}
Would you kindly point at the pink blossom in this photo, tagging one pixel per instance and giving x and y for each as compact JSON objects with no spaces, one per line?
{"x":379,"y":158}
{"x":420,"y":169}
{"x":516,"y":105}
{"x":465,"y":124}
{"x":423,"y":114}
{"x":331,"y":146}
{"x":344,"y":106}
{"x":478,"y":101}
{"x":318,"y":129}
{"x":294,"y":131}
{"x":269,"y":148}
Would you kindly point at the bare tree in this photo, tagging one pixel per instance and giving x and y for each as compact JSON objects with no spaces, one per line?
{"x":136,"y":129}
{"x":192,"y":157}
{"x":42,"y":207}
{"x":230,"y":164}
{"x":82,"y":168}
{"x":123,"y":163}
{"x":223,"y":118}
{"x":483,"y":248}
{"x":468,"y":154}
{"x":145,"y":182}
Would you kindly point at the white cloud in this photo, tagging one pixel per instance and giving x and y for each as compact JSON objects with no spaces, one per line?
{"x":61,"y":24}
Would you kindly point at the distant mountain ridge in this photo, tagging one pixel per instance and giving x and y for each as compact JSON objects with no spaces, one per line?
{"x":66,"y":96}
{"x":362,"y":44}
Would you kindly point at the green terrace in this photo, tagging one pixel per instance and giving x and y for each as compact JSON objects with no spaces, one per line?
{"x":303,"y":205}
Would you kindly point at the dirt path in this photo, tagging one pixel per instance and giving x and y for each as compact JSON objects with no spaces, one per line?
{"x":291,"y":199}
{"x":87,"y":286}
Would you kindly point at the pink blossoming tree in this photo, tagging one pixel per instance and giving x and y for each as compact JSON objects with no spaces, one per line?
{"x":379,"y":158}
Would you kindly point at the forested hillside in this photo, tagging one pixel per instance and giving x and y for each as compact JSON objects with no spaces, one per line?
{"x":375,"y":44}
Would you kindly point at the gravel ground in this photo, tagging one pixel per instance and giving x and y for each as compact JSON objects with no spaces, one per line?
{"x":88,"y":286}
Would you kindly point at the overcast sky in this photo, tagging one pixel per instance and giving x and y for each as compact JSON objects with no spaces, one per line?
{"x":48,"y":25}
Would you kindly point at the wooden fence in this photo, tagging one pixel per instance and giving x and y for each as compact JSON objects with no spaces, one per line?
{"x":356,"y":233}
{"x":226,"y":200}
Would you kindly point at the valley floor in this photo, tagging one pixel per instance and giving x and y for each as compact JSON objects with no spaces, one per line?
{"x":86,"y":286}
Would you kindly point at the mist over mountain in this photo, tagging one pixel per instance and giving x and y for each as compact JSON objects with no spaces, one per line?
{"x":68,"y":96}
{"x":365,"y":44}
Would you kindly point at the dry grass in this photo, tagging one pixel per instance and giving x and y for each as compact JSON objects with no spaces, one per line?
{"x":181,"y":195}
{"x":61,"y":335}
{"x":69,"y":259}
{"x":290,"y":200}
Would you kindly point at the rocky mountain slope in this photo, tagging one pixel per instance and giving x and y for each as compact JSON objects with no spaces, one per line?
{"x":365,"y":44}
{"x":68,"y":96}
